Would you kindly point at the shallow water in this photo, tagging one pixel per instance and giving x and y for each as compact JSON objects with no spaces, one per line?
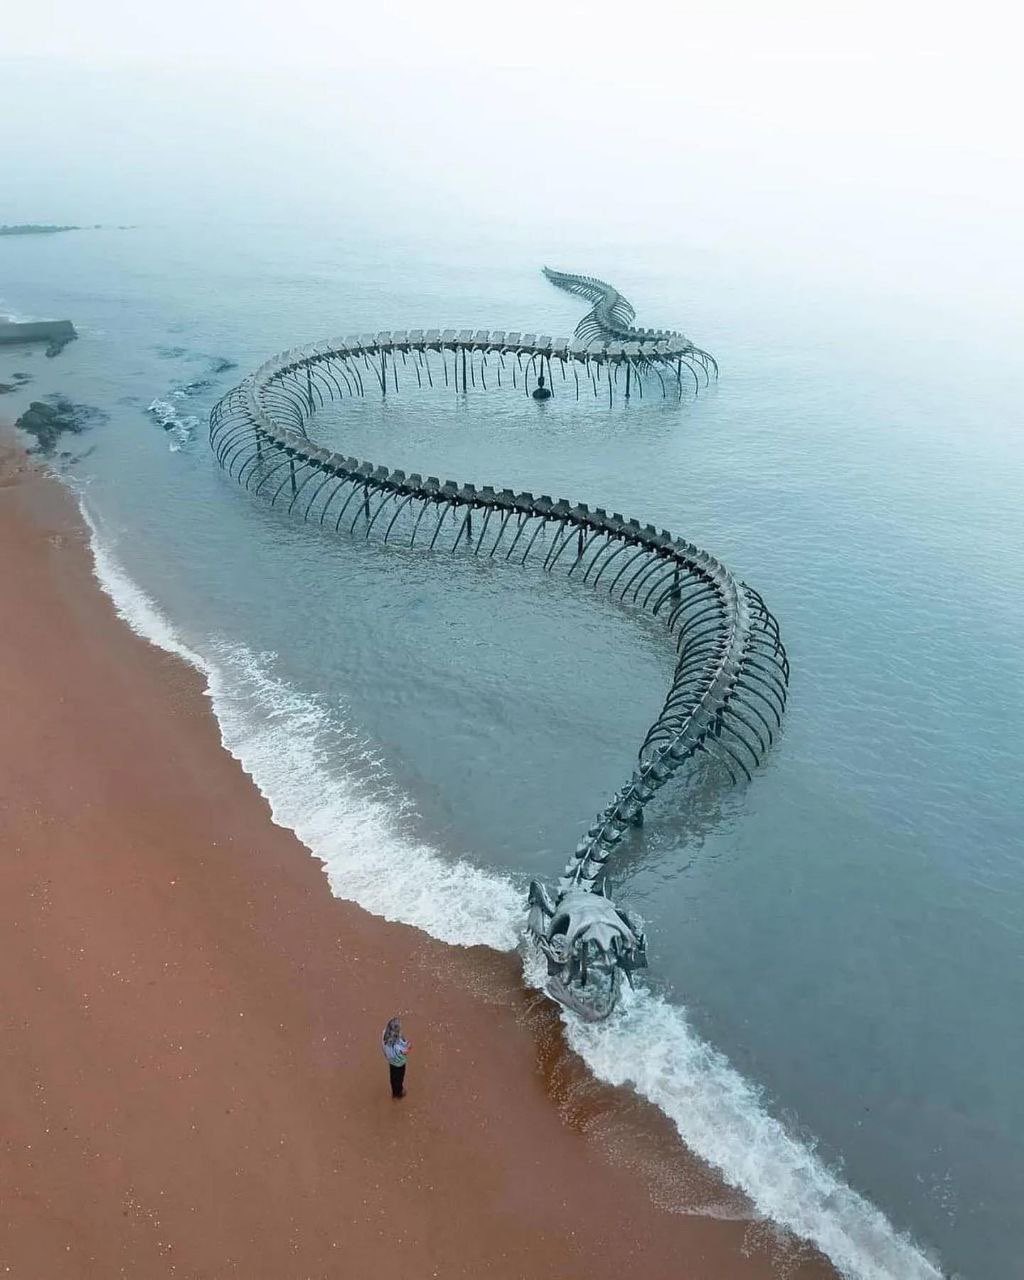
{"x":847,"y":930}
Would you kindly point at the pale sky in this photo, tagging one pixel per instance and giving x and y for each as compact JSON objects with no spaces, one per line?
{"x":891,"y":121}
{"x":947,"y":74}
{"x":306,"y":31}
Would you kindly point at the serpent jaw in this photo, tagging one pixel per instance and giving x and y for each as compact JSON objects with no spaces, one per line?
{"x":728,"y":692}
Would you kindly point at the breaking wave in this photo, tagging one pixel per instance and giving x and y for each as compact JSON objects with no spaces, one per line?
{"x":168,"y":409}
{"x":315,"y":774}
{"x":180,"y":427}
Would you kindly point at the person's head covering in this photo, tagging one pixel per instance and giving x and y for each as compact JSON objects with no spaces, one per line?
{"x":392,"y":1032}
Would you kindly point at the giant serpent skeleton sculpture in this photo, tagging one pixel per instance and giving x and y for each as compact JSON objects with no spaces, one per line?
{"x":728,"y":692}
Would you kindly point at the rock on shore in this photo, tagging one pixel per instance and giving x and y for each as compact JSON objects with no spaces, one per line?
{"x":46,"y":421}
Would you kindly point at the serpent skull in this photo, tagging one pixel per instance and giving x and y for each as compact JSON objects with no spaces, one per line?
{"x":588,"y":943}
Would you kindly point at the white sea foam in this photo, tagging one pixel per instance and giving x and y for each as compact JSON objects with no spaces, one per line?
{"x":15,"y":317}
{"x":650,"y":1045}
{"x":132,"y":604}
{"x":180,"y":427}
{"x":280,"y":737}
{"x":284,"y":740}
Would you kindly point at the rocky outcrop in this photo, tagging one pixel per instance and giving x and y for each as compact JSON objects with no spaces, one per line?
{"x":19,"y":380}
{"x":33,"y":229}
{"x":46,"y":421}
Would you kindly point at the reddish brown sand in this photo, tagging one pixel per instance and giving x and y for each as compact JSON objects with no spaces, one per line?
{"x":190,"y":1077}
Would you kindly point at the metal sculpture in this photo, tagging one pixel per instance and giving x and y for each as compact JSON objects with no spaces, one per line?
{"x":728,"y":691}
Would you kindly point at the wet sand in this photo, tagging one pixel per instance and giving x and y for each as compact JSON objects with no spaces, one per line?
{"x":190,"y":1077}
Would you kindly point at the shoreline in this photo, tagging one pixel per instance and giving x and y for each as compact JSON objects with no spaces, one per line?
{"x":191,"y":1081}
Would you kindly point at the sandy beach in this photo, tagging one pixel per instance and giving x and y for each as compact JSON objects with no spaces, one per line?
{"x":191,"y":1083}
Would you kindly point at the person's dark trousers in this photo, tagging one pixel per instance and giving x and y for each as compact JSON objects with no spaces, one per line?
{"x":397,"y":1080}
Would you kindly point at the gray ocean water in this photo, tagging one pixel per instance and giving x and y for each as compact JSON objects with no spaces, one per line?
{"x":848,"y":930}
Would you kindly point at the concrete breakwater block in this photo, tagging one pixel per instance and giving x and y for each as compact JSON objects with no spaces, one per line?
{"x":56,"y":333}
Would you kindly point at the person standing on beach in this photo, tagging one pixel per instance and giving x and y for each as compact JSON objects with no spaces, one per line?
{"x":395,"y":1048}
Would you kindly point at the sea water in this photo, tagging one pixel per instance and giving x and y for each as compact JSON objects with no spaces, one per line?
{"x":833,"y":1012}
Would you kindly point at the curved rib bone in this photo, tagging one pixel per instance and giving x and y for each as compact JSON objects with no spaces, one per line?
{"x":731,"y":673}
